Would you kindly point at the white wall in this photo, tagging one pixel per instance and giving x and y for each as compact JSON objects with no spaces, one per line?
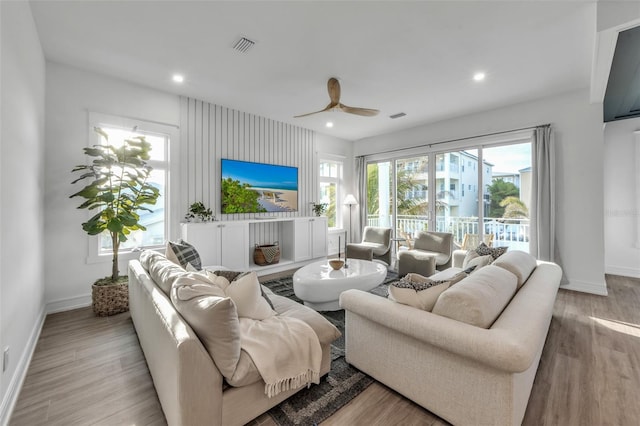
{"x":621,"y":213}
{"x":21,"y":199}
{"x":71,"y":94}
{"x":579,"y":150}
{"x":211,"y":132}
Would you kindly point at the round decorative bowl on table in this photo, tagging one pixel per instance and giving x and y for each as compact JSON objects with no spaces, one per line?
{"x":336,"y":263}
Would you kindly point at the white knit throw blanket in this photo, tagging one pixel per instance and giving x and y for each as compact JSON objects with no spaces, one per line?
{"x":285,"y":350}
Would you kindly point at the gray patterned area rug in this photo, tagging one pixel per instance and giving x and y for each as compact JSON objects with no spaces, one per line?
{"x":343,"y":383}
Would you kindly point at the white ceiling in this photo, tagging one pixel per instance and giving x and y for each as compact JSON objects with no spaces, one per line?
{"x":412,"y":57}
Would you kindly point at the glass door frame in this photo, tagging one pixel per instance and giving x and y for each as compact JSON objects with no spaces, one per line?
{"x":431,"y":151}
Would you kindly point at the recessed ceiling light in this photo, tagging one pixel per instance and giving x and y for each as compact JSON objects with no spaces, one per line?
{"x":178,"y":78}
{"x":479,"y":76}
{"x":329,"y":124}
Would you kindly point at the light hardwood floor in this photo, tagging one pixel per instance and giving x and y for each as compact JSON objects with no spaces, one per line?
{"x":89,"y":370}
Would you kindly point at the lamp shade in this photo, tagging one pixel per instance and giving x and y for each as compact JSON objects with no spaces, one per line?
{"x":350,"y":200}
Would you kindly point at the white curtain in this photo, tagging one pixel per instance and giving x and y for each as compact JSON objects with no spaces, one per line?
{"x":543,"y":203}
{"x":361,"y":196}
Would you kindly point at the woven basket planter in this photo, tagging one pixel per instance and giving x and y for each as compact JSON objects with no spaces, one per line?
{"x":110,"y":299}
{"x":267,"y":254}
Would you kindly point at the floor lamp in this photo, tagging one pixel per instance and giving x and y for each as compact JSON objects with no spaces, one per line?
{"x":350,"y":201}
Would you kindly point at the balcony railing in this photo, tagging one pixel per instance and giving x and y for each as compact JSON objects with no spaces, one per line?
{"x":513,"y":233}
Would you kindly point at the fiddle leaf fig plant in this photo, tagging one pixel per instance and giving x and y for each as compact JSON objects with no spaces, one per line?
{"x":118,"y":189}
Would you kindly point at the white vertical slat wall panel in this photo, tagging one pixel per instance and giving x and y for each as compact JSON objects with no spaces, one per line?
{"x":211,"y":132}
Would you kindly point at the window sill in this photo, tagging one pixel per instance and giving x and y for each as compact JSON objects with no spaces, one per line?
{"x":125,"y":255}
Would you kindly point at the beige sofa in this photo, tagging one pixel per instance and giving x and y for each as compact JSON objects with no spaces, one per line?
{"x":191,"y":390}
{"x":466,"y":374}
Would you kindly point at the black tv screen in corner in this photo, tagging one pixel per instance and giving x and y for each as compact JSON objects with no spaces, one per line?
{"x":258,"y":188}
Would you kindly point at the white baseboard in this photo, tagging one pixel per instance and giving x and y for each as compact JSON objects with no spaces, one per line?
{"x":622,"y":271}
{"x":13,"y":390}
{"x":586,"y":287}
{"x":68,"y":304}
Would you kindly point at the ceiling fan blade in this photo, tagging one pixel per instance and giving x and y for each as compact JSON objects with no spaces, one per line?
{"x":333,"y":86}
{"x":327,"y":108}
{"x":367,"y":112}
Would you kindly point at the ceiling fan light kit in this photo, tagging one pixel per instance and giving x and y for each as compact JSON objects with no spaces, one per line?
{"x":333,"y":86}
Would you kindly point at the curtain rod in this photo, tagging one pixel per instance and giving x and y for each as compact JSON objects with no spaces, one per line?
{"x":458,"y":140}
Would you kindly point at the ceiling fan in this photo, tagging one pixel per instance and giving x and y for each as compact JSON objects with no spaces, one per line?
{"x":334,"y":94}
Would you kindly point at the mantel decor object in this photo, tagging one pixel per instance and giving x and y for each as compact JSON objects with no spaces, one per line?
{"x":199,"y":213}
{"x":319,"y":208}
{"x":336,"y":263}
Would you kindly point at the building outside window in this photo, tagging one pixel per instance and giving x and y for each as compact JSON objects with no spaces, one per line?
{"x":485,"y":208}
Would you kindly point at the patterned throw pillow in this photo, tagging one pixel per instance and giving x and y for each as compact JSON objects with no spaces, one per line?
{"x":420,"y":292}
{"x":470,"y":269}
{"x":184,"y":253}
{"x":495,"y":252}
{"x":230,"y":275}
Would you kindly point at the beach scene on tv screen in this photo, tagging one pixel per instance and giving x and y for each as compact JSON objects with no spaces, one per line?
{"x":257,"y":187}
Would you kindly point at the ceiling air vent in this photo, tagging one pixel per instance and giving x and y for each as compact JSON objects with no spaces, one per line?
{"x":243,"y":44}
{"x":398,"y":115}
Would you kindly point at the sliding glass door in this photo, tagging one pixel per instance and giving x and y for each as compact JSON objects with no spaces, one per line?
{"x":457,"y":192}
{"x":482,"y":192}
{"x":380,"y":194}
{"x":412,"y":195}
{"x":507,"y":185}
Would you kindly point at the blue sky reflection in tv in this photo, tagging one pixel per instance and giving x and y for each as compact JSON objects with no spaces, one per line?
{"x":257,"y":187}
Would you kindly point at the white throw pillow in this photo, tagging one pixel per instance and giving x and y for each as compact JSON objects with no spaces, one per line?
{"x":161,"y":270}
{"x":474,"y":259}
{"x":247,"y":296}
{"x":212,"y":316}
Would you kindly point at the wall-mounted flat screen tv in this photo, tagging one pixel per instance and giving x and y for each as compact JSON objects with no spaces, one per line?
{"x":258,"y":188}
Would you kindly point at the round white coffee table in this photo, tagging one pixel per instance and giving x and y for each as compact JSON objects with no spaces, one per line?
{"x":319,"y":286}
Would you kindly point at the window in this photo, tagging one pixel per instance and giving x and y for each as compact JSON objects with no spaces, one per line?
{"x":480,"y":208}
{"x":157,"y":220}
{"x":330,"y":190}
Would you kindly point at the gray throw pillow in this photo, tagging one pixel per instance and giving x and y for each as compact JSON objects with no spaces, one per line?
{"x":186,"y":254}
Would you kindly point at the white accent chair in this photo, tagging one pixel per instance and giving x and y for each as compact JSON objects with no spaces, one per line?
{"x":427,"y":244}
{"x":375,"y":238}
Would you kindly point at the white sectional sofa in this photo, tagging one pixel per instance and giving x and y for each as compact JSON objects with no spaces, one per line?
{"x":190,"y":387}
{"x":466,"y":374}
